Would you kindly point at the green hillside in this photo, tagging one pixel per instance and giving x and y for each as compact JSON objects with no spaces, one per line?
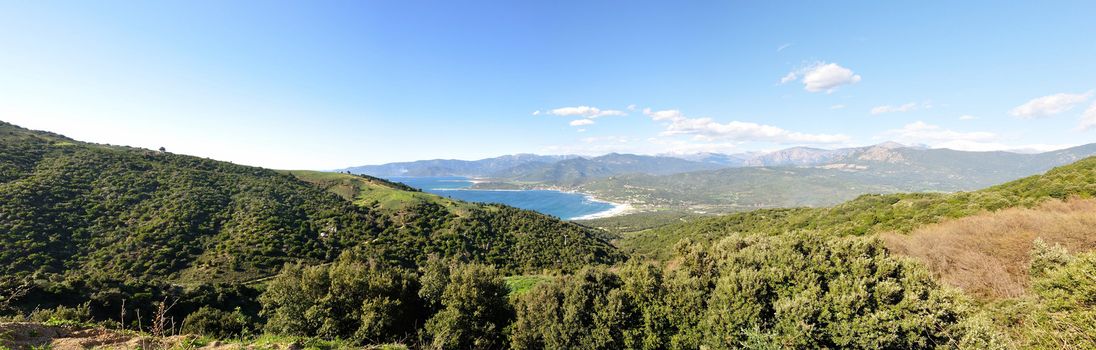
{"x":71,"y":208}
{"x":738,"y":189}
{"x":875,"y":213}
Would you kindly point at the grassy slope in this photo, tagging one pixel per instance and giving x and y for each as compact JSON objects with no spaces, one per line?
{"x":374,"y":192}
{"x":870,"y":214}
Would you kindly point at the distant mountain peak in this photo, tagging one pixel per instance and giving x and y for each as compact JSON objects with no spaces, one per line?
{"x":890,"y":145}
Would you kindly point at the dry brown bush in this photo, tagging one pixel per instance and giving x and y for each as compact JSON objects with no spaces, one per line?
{"x":987,"y":255}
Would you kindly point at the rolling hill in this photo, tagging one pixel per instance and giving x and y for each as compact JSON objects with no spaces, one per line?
{"x":71,"y":208}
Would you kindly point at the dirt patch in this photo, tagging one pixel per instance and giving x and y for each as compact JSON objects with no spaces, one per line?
{"x":26,"y":335}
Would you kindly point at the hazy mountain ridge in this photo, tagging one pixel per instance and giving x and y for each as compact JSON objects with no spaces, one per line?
{"x":885,"y":168}
{"x":579,"y":170}
{"x":572,"y":169}
{"x":454,"y":167}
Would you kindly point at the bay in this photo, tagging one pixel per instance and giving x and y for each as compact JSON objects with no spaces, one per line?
{"x":564,"y":205}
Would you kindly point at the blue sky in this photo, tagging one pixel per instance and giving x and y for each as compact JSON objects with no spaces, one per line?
{"x":331,"y":84}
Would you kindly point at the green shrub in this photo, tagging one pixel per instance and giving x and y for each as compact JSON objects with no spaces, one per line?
{"x":788,"y":291}
{"x":363,"y":302}
{"x":474,"y":310}
{"x":211,"y":322}
{"x":1046,"y":257}
{"x":62,"y":315}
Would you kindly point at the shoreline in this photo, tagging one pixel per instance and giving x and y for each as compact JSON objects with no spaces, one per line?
{"x":616,"y":210}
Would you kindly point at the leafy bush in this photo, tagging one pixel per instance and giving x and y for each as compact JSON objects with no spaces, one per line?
{"x":363,"y":302}
{"x":792,"y":291}
{"x":1046,"y":257}
{"x":474,"y":309}
{"x":62,"y":314}
{"x":211,"y":322}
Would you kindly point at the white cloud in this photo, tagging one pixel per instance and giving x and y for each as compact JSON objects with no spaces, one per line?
{"x":978,"y":141}
{"x":669,"y":114}
{"x":706,"y":129}
{"x":536,"y":112}
{"x":585,"y":111}
{"x":631,"y":107}
{"x":1088,"y":120}
{"x":782,"y":47}
{"x":967,"y":117}
{"x":837,"y":107}
{"x":822,"y":76}
{"x":581,"y":122}
{"x":920,"y":132}
{"x":1049,"y":105}
{"x":894,"y":109}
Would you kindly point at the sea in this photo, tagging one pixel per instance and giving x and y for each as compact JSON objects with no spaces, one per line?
{"x":564,"y":205}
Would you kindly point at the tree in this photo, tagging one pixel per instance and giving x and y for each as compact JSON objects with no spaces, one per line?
{"x":474,"y":311}
{"x":364,"y":302}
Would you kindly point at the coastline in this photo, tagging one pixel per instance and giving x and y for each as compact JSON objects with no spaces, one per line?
{"x":617,"y":209}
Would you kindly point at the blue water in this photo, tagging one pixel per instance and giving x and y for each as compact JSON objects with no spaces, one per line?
{"x":560,"y":204}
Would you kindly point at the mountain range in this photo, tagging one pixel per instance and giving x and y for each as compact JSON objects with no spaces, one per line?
{"x":929,"y":169}
{"x":829,"y":177}
{"x":454,"y":167}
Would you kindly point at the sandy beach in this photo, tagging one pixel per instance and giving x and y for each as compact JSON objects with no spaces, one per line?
{"x":617,"y":209}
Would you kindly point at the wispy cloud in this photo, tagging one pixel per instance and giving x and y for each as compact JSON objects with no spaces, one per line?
{"x":912,"y":106}
{"x":1050,"y":105}
{"x":585,"y":111}
{"x":822,"y":76}
{"x":967,"y":117}
{"x":936,"y":136}
{"x":1088,"y":119}
{"x":782,"y":47}
{"x":838,"y":106}
{"x":708,"y":129}
{"x":581,"y":122}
